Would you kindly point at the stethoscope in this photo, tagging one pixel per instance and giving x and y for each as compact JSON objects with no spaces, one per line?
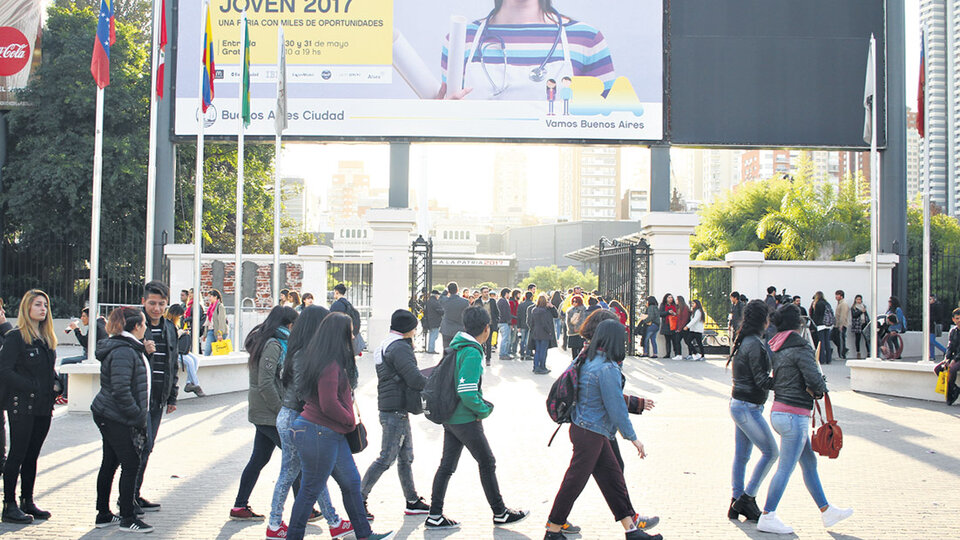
{"x":537,"y":74}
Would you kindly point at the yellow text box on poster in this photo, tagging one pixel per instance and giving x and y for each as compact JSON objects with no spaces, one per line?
{"x":317,"y":32}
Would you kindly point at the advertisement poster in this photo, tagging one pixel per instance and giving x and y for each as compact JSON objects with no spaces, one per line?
{"x":566,"y":69}
{"x":20,"y":29}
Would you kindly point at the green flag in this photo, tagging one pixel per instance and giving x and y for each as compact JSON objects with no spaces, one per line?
{"x":245,"y":76}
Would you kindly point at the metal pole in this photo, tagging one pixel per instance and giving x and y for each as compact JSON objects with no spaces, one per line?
{"x":152,"y":152}
{"x":95,"y":229}
{"x":874,"y":196}
{"x":276,"y":220}
{"x":238,"y":241}
{"x":198,"y":206}
{"x":925,"y":354}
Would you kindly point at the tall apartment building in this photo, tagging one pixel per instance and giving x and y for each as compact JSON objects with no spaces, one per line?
{"x":350,"y":185}
{"x":942,"y":20}
{"x":635,"y":204}
{"x":720,"y":172}
{"x":301,"y":205}
{"x":589,"y":183}
{"x":758,"y":165}
{"x":509,"y":182}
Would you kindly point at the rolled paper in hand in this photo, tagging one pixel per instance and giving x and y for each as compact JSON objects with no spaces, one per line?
{"x":455,"y":54}
{"x":412,"y":68}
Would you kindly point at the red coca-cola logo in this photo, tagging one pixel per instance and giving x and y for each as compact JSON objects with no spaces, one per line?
{"x":14,"y":51}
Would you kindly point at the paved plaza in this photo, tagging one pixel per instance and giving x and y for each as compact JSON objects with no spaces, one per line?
{"x":899,"y":468}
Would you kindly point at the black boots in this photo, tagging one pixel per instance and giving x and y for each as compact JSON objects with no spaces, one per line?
{"x":13,"y":514}
{"x":28,"y":507}
{"x":747,"y":507}
{"x":731,"y":513}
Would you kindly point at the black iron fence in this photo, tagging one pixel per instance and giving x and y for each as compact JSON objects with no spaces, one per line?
{"x":944,"y":283}
{"x":358,"y":278}
{"x":624,"y":274}
{"x":63,"y":271}
{"x":711,"y":286}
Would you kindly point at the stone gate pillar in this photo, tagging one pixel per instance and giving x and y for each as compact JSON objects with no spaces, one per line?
{"x":315,"y":261}
{"x":392,"y":229}
{"x":669,"y":237}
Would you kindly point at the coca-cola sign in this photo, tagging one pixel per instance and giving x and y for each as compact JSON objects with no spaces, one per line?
{"x":14,"y":51}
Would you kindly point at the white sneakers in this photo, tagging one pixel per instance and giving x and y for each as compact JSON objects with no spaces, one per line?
{"x":697,"y":357}
{"x":678,"y":357}
{"x":771,"y":523}
{"x":833,"y":515}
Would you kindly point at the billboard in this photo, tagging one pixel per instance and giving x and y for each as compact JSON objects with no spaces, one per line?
{"x":447,"y":69}
{"x":20,"y":29}
{"x":773,"y":72}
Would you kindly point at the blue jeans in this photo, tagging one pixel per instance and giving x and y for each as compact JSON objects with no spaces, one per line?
{"x":794,"y":430}
{"x":558,"y":326}
{"x":290,"y":471}
{"x":826,"y":350}
{"x":397,"y":446}
{"x":504,"y":339}
{"x":540,"y":355}
{"x":325,"y":453}
{"x":190,"y":366}
{"x":524,"y":334}
{"x":651,"y":335}
{"x":432,"y":339}
{"x":752,"y":430}
{"x":514,"y":339}
{"x":933,"y":344}
{"x":208,"y":344}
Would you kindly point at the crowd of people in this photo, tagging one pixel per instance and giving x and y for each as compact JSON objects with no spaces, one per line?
{"x":303,"y":372}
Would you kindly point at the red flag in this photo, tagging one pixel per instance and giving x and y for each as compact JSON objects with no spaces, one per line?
{"x":100,"y":63}
{"x":921,"y":90}
{"x":161,"y":46}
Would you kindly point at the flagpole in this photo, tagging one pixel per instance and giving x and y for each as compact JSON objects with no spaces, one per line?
{"x":276,"y":172}
{"x":238,"y":245}
{"x":874,"y":196}
{"x":198,"y":202}
{"x":95,"y":204}
{"x":152,"y":152}
{"x":927,"y":323}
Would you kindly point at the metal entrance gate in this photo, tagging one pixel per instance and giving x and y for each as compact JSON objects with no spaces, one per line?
{"x":624,"y":272}
{"x":421,"y":276}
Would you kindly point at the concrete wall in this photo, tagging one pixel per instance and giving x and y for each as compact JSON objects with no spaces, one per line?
{"x":545,"y":245}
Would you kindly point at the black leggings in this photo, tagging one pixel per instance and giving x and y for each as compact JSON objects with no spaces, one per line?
{"x":866,"y":341}
{"x":266,"y":439}
{"x":119,"y":450}
{"x":3,"y":439}
{"x":576,"y":345}
{"x":694,"y":342}
{"x":27,"y":434}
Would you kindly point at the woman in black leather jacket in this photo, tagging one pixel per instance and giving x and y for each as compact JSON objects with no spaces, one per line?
{"x":120,"y":412}
{"x":751,"y":385}
{"x":27,"y":363}
{"x":797,"y":383}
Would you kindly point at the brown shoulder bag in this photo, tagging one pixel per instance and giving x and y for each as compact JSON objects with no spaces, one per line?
{"x":827,"y":440}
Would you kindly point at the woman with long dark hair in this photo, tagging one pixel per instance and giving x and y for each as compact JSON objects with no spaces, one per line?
{"x":668,"y":322}
{"x":120,"y":412}
{"x":694,"y":331}
{"x":320,"y":430}
{"x":651,"y":324}
{"x":818,"y":312}
{"x":751,"y":385}
{"x":267,"y":347}
{"x":576,"y":314}
{"x":599,"y":414}
{"x":300,"y":335}
{"x":556,"y":300}
{"x":541,"y":332}
{"x":27,"y":370}
{"x":797,"y":382}
{"x":683,"y":318}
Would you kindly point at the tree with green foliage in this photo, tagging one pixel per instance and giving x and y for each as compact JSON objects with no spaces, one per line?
{"x":550,"y":278}
{"x":50,"y":164}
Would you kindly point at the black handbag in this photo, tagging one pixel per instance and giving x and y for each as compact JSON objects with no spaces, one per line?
{"x":357,"y":439}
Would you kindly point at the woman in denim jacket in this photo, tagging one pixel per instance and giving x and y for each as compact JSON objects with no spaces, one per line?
{"x":600,"y":412}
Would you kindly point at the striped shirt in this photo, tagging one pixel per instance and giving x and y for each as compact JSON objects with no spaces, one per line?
{"x":529,"y":44}
{"x":158,"y":361}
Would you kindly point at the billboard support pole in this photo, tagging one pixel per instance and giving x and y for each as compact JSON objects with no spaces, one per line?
{"x":892,"y":164}
{"x":399,"y":175}
{"x":660,"y":178}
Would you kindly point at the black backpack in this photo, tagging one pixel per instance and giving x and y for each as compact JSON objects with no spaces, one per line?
{"x":440,"y":397}
{"x":562,"y":397}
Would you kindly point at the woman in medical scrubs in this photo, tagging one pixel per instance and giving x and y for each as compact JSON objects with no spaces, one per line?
{"x":520,"y":45}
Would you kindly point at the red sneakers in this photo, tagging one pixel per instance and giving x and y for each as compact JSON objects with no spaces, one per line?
{"x":281,"y":531}
{"x":341,"y":530}
{"x":245,"y":514}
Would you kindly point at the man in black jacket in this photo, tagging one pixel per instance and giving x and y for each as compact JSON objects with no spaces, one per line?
{"x":399,"y":383}
{"x":490,"y":305}
{"x":453,"y":306}
{"x":160,"y":342}
{"x":432,"y":315}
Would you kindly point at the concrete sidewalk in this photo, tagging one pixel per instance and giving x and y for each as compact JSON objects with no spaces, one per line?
{"x":899,"y":468}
